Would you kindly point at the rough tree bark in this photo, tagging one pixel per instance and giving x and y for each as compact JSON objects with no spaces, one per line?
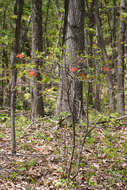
{"x":37,"y":99}
{"x":120,"y":66}
{"x":70,"y":88}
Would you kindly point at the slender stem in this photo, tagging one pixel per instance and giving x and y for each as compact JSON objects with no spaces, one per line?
{"x":86,"y":132}
{"x":73,"y":149}
{"x":71,"y":107}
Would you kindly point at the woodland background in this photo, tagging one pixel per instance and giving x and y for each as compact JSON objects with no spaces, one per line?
{"x":63,"y":94}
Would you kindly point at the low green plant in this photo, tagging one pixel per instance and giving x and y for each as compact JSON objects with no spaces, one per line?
{"x":38,"y":135}
{"x":24,"y":166}
{"x":33,"y":181}
{"x":3,"y":117}
{"x":21,"y":170}
{"x":2,"y":135}
{"x":13,"y":175}
{"x":65,"y":183}
{"x":26,"y":146}
{"x":89,"y":174}
{"x":30,"y":164}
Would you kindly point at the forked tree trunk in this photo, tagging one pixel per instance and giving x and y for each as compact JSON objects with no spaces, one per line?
{"x":70,"y":88}
{"x":37,"y":99}
{"x":120,"y":66}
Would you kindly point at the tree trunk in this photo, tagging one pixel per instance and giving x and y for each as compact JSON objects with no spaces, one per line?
{"x":120,"y":66}
{"x":70,"y":97}
{"x":98,"y":85}
{"x":14,"y":73}
{"x":4,"y":82}
{"x":37,"y":99}
{"x":101,"y":44}
{"x":24,"y":41}
{"x":113,"y":38}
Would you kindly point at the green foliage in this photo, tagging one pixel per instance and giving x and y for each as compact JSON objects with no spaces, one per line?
{"x":30,"y":164}
{"x":104,"y":155}
{"x":90,"y":140}
{"x":124,"y":147}
{"x":63,"y":115}
{"x":2,"y":135}
{"x":39,"y":135}
{"x":119,"y":175}
{"x":50,"y":99}
{"x":64,"y":183}
{"x":13,"y":175}
{"x":22,"y":121}
{"x":26,"y":147}
{"x":89,"y":174}
{"x":124,"y":15}
{"x":3,"y":117}
{"x":104,"y":143}
{"x":110,"y":119}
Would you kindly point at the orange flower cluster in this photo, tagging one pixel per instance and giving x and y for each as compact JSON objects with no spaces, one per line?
{"x":32,"y":73}
{"x":73,"y":69}
{"x":83,"y":76}
{"x":20,"y":56}
{"x":106,"y":69}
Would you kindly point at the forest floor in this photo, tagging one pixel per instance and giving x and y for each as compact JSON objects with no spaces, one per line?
{"x":43,"y":152}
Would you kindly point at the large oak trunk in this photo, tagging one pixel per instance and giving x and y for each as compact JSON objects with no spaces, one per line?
{"x":70,"y":88}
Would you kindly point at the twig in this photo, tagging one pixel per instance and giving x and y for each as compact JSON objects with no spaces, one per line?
{"x":5,"y":154}
{"x":33,"y":122}
{"x":81,"y":149}
{"x":84,"y":139}
{"x":71,"y":107}
{"x":73,"y":149}
{"x":86,"y":133}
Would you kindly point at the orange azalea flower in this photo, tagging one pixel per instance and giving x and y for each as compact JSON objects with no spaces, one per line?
{"x":73,"y":69}
{"x":83,"y":76}
{"x":38,"y":149}
{"x":106,"y":69}
{"x":32,"y":73}
{"x":20,"y":55}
